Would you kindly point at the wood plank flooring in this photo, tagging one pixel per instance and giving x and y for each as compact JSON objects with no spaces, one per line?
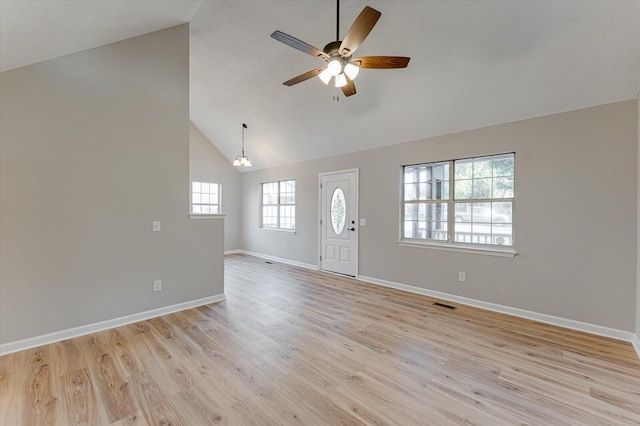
{"x":292,"y":346}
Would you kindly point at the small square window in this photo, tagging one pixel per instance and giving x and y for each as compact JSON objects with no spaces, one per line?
{"x":205,"y":197}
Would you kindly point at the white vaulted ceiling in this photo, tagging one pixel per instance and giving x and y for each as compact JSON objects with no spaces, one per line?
{"x":473,"y":64}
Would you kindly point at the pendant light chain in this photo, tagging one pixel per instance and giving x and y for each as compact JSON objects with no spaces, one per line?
{"x":244,"y":126}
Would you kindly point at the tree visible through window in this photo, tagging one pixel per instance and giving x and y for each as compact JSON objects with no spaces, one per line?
{"x":460,"y":201}
{"x":278,"y":205}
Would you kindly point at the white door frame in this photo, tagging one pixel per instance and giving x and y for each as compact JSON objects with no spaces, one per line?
{"x":357,"y":197}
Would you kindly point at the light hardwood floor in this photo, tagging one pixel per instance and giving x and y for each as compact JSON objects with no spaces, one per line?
{"x":292,"y":346}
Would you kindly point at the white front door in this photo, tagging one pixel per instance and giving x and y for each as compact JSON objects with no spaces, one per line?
{"x":338,"y":217}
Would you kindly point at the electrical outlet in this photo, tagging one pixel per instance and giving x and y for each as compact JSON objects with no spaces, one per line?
{"x":285,"y":247}
{"x":462,"y":276}
{"x":156,"y":226}
{"x":157,"y":285}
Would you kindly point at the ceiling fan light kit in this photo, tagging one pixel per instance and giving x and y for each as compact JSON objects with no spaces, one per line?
{"x":338,"y":54}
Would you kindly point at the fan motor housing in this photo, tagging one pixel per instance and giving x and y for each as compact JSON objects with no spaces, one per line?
{"x":331,"y":49}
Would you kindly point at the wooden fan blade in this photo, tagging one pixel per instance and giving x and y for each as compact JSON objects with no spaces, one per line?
{"x":304,"y":77}
{"x":349,"y":89}
{"x":359,"y":30}
{"x":299,"y":45}
{"x":382,"y":62}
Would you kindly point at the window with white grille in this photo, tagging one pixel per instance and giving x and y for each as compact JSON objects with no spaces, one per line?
{"x":278,"y":205}
{"x":464,"y":201}
{"x":205,"y":197}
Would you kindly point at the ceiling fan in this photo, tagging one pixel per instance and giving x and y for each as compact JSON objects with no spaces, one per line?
{"x":341,"y":65}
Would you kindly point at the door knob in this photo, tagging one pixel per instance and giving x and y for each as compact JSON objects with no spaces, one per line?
{"x":351,"y":229}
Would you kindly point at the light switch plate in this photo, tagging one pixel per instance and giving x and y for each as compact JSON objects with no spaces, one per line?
{"x":363,"y":222}
{"x":157,"y":285}
{"x":156,"y":226}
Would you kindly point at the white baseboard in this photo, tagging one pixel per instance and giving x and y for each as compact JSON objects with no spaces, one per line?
{"x":280,"y":259}
{"x":599,"y":330}
{"x":58,"y":336}
{"x":636,"y":343}
{"x":226,"y":252}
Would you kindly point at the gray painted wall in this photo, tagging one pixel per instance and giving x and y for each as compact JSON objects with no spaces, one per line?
{"x":575,"y":216}
{"x":638,"y":239}
{"x":94,"y":147}
{"x":207,"y":164}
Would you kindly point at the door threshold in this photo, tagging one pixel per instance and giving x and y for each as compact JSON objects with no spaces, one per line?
{"x":338,"y":273}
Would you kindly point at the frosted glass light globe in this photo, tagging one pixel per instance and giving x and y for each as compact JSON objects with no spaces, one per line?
{"x":351,"y":71}
{"x":325,"y":76}
{"x":334,"y":67}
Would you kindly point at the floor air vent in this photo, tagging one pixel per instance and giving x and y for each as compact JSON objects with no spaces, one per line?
{"x":268,"y":263}
{"x":442,"y":305}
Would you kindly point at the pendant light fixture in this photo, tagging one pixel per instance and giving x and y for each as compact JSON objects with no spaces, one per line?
{"x":242,"y":160}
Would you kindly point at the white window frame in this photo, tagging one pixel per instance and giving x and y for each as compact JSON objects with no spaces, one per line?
{"x":193,"y":198}
{"x":278,"y":207}
{"x":449,"y":244}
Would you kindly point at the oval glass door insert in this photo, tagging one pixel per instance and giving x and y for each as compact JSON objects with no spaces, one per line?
{"x":338,"y":211}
